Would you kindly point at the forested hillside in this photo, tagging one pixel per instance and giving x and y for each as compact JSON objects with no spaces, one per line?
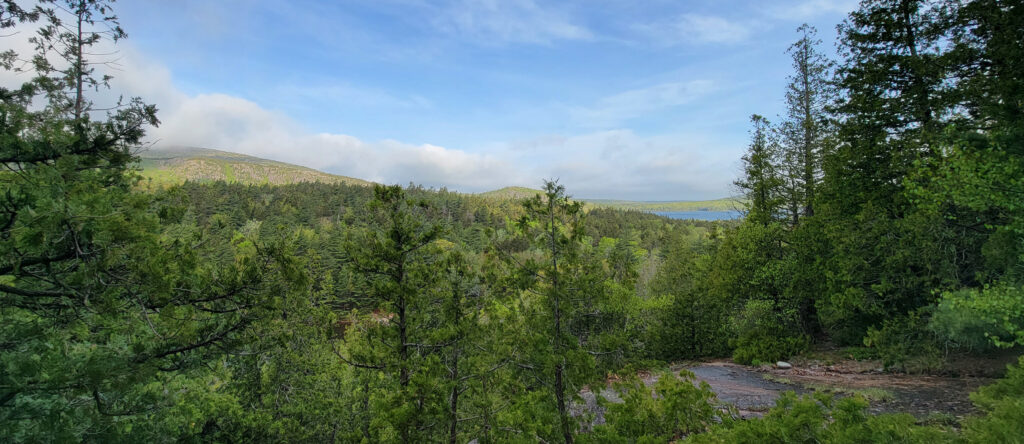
{"x":726,"y":204}
{"x":884,"y":216}
{"x":165,"y":166}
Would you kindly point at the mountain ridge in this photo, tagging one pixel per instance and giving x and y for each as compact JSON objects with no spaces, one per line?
{"x":723,"y":204}
{"x":171,"y":165}
{"x":177,"y":164}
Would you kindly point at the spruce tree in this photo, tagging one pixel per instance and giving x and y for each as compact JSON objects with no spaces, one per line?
{"x":393,"y":261}
{"x":761,"y":183}
{"x":805,"y":125}
{"x":115,"y":314}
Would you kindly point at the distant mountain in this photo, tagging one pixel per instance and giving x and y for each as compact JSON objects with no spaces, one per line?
{"x":173,"y":165}
{"x":511,"y":193}
{"x":724,"y":204}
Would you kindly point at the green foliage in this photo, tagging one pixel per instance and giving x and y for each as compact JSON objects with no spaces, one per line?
{"x":394,"y":262}
{"x":689,"y":321}
{"x":763,"y":333}
{"x":906,"y":344}
{"x":761,"y":182}
{"x":117,"y":309}
{"x":822,"y":419}
{"x":805,"y":128}
{"x":571,"y":311}
{"x":1002,"y":404}
{"x":320,"y":312}
{"x":673,"y":408}
{"x":981,"y":318}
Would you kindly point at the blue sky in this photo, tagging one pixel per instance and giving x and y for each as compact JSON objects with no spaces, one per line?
{"x":640,"y":100}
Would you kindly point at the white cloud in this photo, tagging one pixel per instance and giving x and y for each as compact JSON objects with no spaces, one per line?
{"x":618,"y":108}
{"x":610,"y":164}
{"x":808,"y":9}
{"x":616,"y":163}
{"x":509,"y":21}
{"x":621,"y":164}
{"x":698,"y":29}
{"x":233,"y":124}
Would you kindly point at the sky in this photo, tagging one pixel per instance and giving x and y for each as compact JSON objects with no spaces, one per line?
{"x":620,"y":99}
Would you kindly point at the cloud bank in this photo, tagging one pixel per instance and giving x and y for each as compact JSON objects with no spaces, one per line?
{"x":601,"y":164}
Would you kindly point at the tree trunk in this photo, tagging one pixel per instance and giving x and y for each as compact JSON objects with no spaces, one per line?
{"x":453,"y":402}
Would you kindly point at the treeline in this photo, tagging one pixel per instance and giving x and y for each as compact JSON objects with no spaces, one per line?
{"x":885,"y":206}
{"x":334,"y":313}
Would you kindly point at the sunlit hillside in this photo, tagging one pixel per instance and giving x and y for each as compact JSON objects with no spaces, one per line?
{"x":175,"y":165}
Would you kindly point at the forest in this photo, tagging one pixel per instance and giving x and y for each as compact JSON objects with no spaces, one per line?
{"x":884,"y":216}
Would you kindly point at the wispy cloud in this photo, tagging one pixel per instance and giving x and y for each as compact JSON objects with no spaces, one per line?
{"x":355,"y":96}
{"x":620,"y":164}
{"x":808,"y":9}
{"x":698,"y":29}
{"x":509,"y":21}
{"x":624,"y":106}
{"x":600,"y":163}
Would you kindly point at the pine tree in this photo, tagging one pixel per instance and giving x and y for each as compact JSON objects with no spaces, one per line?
{"x":762,"y":183}
{"x":568,"y":313}
{"x":895,"y":96}
{"x":804,"y":128}
{"x":108,"y":293}
{"x":394,"y":261}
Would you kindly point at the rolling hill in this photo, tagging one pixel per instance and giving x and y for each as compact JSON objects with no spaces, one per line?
{"x":723,"y":204}
{"x":173,"y":165}
{"x":511,"y":193}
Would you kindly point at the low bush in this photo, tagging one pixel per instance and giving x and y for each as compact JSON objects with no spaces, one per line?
{"x":981,"y":319}
{"x":765,"y":334}
{"x":906,"y":344}
{"x":674,"y":407}
{"x":1003,"y":406}
{"x":822,"y":419}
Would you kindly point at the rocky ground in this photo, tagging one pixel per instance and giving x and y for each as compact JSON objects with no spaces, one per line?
{"x":753,"y":390}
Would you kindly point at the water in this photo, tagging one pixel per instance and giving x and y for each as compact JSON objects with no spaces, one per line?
{"x":701,"y":215}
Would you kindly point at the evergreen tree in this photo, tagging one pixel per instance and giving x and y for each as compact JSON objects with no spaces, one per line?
{"x":761,"y":183}
{"x":805,"y":127}
{"x":886,"y":257}
{"x":394,"y":260}
{"x":568,"y":313}
{"x":114,"y":314}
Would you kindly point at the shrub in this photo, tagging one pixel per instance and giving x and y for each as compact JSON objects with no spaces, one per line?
{"x":1003,"y":405}
{"x":981,"y":319}
{"x":690,"y":326}
{"x":821,"y":419}
{"x":906,"y":344}
{"x":766,"y":334}
{"x":672,"y":408}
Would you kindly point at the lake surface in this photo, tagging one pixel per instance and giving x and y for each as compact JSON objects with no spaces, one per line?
{"x":701,"y":215}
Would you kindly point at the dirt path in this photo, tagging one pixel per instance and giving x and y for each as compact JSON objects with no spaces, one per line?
{"x":740,"y":386}
{"x":753,"y":390}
